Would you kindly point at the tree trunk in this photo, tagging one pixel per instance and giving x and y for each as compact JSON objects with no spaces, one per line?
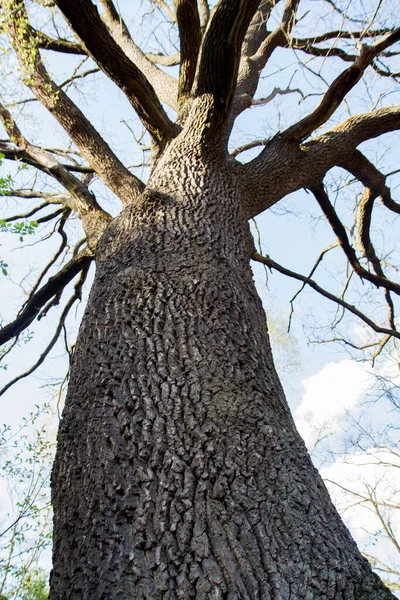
{"x":179,"y":472}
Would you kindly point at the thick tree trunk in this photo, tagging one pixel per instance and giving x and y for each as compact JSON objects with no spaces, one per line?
{"x":179,"y":472}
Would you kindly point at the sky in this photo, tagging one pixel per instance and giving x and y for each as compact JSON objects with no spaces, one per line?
{"x":332,"y":395}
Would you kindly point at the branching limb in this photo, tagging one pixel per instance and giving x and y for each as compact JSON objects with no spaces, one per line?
{"x":188,"y":20}
{"x":257,"y":51}
{"x":340,"y":87}
{"x":56,"y":44}
{"x":62,"y":247}
{"x":84,"y":19}
{"x":12,"y":152}
{"x":92,"y":146}
{"x":163,"y":6}
{"x":76,"y":296}
{"x":165,"y":86}
{"x":364,"y":226}
{"x":266,"y":260}
{"x":94,"y":218}
{"x":358,"y":165}
{"x":280,"y":36}
{"x":220,"y":54}
{"x":54,"y":285}
{"x":267,"y":179}
{"x":327,"y":208}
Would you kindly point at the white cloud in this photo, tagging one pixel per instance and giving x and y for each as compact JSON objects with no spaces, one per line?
{"x":328,"y":396}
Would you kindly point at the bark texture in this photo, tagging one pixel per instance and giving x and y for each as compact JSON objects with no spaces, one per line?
{"x":179,"y":471}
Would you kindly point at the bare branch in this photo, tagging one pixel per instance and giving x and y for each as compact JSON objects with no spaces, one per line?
{"x":11,"y":152}
{"x":276,"y":92}
{"x":57,"y":44}
{"x":163,"y":6}
{"x":357,"y":164}
{"x":92,"y":146}
{"x":163,"y":60}
{"x":94,"y":218}
{"x":220,"y":53}
{"x":204,"y":10}
{"x":55,"y":257}
{"x":76,"y":296}
{"x":249,"y":146}
{"x":266,"y":260}
{"x":53,"y":286}
{"x":340,"y":87}
{"x":339,"y":230}
{"x":279,"y":37}
{"x":258,"y":48}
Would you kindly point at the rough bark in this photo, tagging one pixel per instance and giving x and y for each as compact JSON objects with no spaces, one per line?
{"x":179,"y":472}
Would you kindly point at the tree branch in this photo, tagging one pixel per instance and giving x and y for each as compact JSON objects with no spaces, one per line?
{"x":75,"y":296}
{"x":359,"y":166}
{"x":164,"y":60}
{"x":54,"y":286}
{"x":84,"y":19}
{"x":57,"y":44}
{"x":165,"y":86}
{"x":220,"y":53}
{"x":339,"y":230}
{"x":258,"y":48}
{"x":188,"y":20}
{"x":266,"y":260}
{"x":94,"y":218}
{"x":92,"y":146}
{"x":340,"y":87}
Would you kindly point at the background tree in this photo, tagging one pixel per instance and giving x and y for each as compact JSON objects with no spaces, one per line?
{"x":25,"y":529}
{"x":179,"y":472}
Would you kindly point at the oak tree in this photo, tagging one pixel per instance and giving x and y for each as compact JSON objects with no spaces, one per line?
{"x":179,"y":472}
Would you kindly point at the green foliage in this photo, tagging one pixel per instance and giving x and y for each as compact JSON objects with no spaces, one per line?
{"x":35,"y":585}
{"x":21,"y":228}
{"x":3,"y":269}
{"x":5,"y":182}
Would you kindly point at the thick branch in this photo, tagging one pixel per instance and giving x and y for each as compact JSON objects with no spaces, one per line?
{"x":220,"y":53}
{"x":84,"y":19}
{"x":164,"y":60}
{"x":257,"y":50}
{"x":188,"y":20}
{"x":57,"y":44}
{"x":280,"y":36}
{"x":92,"y":146}
{"x":54,"y":286}
{"x":359,"y":166}
{"x":165,"y":86}
{"x":204,"y":10}
{"x":344,"y":138}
